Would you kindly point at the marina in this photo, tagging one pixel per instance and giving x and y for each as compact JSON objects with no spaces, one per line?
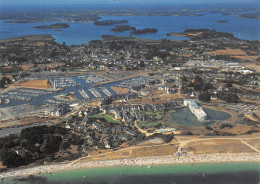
{"x":133,"y":82}
{"x":48,"y":101}
{"x":63,"y":82}
{"x":61,"y":85}
{"x":92,"y":79}
{"x":82,"y":86}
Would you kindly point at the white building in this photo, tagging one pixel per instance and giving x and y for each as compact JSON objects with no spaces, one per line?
{"x":57,"y":112}
{"x":195,"y":109}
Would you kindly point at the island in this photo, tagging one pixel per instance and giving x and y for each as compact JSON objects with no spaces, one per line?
{"x":251,"y":16}
{"x":122,"y":28}
{"x":221,"y":21}
{"x":144,"y":31}
{"x":110,"y":22}
{"x":57,"y":25}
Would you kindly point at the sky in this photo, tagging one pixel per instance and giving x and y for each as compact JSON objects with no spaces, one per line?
{"x":123,"y":1}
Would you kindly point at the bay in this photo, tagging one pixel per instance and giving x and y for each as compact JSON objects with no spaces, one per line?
{"x":82,"y":33}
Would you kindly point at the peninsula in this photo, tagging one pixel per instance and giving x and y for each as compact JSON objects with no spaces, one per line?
{"x":251,"y":16}
{"x":57,"y":25}
{"x":189,"y":32}
{"x":198,"y":34}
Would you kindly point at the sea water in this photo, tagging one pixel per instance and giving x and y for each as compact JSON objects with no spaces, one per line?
{"x":213,"y":173}
{"x":82,"y":33}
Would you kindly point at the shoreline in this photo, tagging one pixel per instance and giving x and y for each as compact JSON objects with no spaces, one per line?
{"x":129,"y":162}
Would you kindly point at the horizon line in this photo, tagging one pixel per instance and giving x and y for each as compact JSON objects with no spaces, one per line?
{"x":114,"y":3}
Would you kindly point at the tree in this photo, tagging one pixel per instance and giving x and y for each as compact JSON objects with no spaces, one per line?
{"x":10,"y":141}
{"x":229,"y":84}
{"x":10,"y":158}
{"x":34,"y":134}
{"x":168,"y":138}
{"x":232,"y":97}
{"x":75,"y":140}
{"x":2,"y":84}
{"x":51,"y":144}
{"x":142,"y":64}
{"x":60,"y":130}
{"x":207,"y":86}
{"x":64,"y":145}
{"x":229,"y":96}
{"x":205,"y":96}
{"x":208,"y":128}
{"x":4,"y":81}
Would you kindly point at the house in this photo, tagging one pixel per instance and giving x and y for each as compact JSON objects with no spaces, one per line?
{"x":117,"y":115}
{"x":67,"y":126}
{"x":90,"y":140}
{"x":123,"y":137}
{"x":130,"y":132}
{"x":81,"y":127}
{"x":169,"y":89}
{"x":56,"y":112}
{"x":85,"y":121}
{"x":81,"y":113}
{"x":116,"y":130}
{"x":65,"y":136}
{"x":20,"y":151}
{"x":107,"y":144}
{"x":97,"y":126}
{"x":61,"y":110}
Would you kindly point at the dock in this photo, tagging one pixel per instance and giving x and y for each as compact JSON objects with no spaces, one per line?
{"x":83,"y":94}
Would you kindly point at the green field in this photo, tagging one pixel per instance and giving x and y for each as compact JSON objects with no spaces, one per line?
{"x":107,"y":117}
{"x":158,"y":114}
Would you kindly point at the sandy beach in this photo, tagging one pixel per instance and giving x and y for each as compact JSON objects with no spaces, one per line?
{"x":142,"y":161}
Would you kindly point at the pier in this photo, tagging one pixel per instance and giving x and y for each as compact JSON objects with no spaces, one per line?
{"x":95,"y":93}
{"x":105,"y":90}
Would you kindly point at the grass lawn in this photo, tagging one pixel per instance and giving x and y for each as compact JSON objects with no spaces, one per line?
{"x":107,"y":117}
{"x":158,"y":114}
